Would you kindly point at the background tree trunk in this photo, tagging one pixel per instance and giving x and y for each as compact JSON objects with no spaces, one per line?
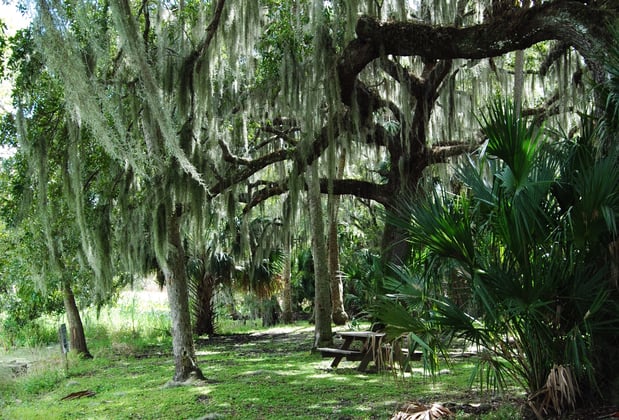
{"x":185,"y":364}
{"x":270,"y":311}
{"x":287,"y":292}
{"x":340,"y":317}
{"x":518,"y":81}
{"x":204,"y":311}
{"x":323,"y":334}
{"x":76,"y":328}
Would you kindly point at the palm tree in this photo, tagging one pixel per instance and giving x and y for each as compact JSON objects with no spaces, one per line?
{"x":207,"y":271}
{"x":264,"y":266}
{"x":532,"y":231}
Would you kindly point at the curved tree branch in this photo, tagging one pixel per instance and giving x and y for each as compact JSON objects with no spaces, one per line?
{"x":570,"y":21}
{"x":250,"y":168}
{"x":358,"y":188}
{"x":211,"y":29}
{"x":439,"y":154}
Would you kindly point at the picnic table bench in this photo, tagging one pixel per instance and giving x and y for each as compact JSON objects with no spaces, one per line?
{"x":370,"y":350}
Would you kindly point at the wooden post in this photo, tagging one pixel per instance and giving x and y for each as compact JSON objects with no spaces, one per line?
{"x":64,"y":346}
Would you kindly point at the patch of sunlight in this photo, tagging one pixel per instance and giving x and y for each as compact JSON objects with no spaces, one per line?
{"x":255,"y":372}
{"x":341,"y":378}
{"x":360,"y":407}
{"x":258,"y":360}
{"x":331,"y":376}
{"x":286,"y":329}
{"x":320,"y":376}
{"x":144,"y":300}
{"x":373,"y":379}
{"x":207,"y":353}
{"x":290,"y":372}
{"x":323,"y":403}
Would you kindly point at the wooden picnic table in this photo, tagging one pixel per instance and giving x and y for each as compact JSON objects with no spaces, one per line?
{"x":369,"y":351}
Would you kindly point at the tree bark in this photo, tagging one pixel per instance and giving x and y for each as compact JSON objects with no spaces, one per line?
{"x":340,"y":317}
{"x":518,"y":82}
{"x":323,"y":334}
{"x":270,"y":311}
{"x":204,"y":313}
{"x":573,"y":22}
{"x":287,"y":292}
{"x":76,"y":328}
{"x":395,"y":248}
{"x":185,"y":363}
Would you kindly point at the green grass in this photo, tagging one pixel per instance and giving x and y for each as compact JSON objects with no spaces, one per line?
{"x":260,"y":374}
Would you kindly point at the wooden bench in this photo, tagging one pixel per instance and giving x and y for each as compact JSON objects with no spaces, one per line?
{"x":352,"y":355}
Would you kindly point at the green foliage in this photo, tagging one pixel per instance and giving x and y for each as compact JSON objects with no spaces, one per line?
{"x":32,"y":333}
{"x":361,"y":265}
{"x":56,"y":192}
{"x":532,"y":233}
{"x":21,"y":301}
{"x":285,"y":43}
{"x":512,"y":141}
{"x":445,"y":227}
{"x":363,"y":275}
{"x":45,"y":382}
{"x":303,"y":279}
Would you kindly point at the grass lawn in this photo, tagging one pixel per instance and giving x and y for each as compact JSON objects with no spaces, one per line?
{"x":251,"y":374}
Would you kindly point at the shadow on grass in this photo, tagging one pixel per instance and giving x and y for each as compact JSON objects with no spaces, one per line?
{"x":262,"y":375}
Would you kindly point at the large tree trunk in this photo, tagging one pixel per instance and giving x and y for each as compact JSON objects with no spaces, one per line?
{"x":185,"y":363}
{"x":323,"y":334}
{"x":76,"y":328}
{"x":395,"y":248}
{"x":204,"y":313}
{"x":340,"y":317}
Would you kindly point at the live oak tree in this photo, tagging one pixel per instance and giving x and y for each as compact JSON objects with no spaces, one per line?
{"x":49,"y":186}
{"x":179,"y":95}
{"x":453,"y":66}
{"x":130,"y":75}
{"x":429,"y":77}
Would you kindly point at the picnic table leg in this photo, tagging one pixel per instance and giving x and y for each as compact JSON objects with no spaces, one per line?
{"x":367,"y":358}
{"x":345,"y":346}
{"x":372,"y":348}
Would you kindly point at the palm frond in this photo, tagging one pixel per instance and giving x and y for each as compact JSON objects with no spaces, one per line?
{"x":441,"y":223}
{"x":398,"y":318}
{"x":478,"y":174}
{"x":597,"y":209}
{"x":422,"y":412}
{"x":511,"y":140}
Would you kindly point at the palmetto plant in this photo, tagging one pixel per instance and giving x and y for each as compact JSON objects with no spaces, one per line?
{"x":532,"y":231}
